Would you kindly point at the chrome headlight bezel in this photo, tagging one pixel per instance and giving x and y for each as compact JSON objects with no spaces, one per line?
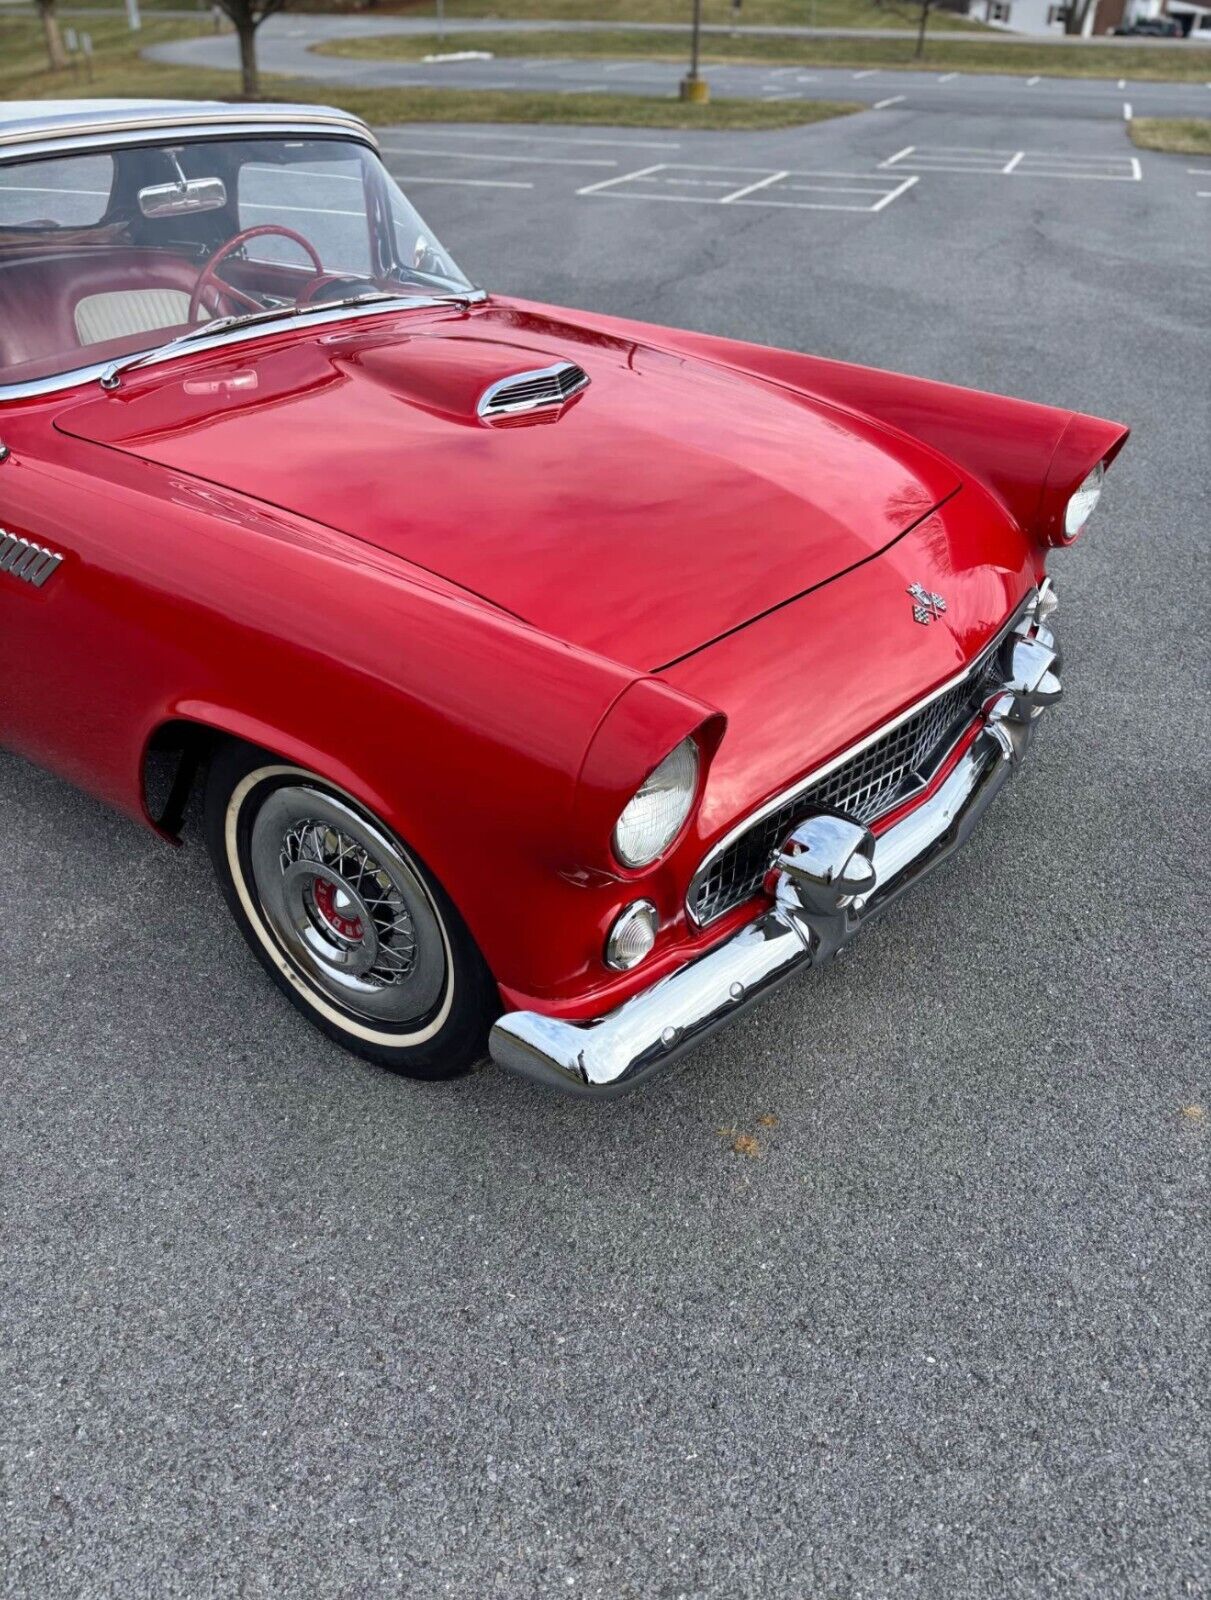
{"x":656,"y":813}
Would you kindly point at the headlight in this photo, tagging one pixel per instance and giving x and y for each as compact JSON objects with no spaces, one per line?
{"x":1080,"y":507}
{"x":654,"y":818}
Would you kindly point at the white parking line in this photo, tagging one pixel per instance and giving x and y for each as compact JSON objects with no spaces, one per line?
{"x":1199,"y":172}
{"x":882,"y":105}
{"x":764,"y":188}
{"x":31,"y":188}
{"x":625,"y":177}
{"x":1122,"y":83}
{"x":1030,"y":82}
{"x":1126,"y":111}
{"x":541,"y":138}
{"x":1014,"y":163}
{"x":895,"y":193}
{"x":508,"y":155}
{"x":751,"y":188}
{"x":948,"y":77}
{"x":868,"y":74}
{"x":465,"y":183}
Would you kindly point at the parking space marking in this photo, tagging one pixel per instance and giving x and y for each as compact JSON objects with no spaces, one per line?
{"x":508,"y":155}
{"x":882,"y":105}
{"x":542,"y":138}
{"x":626,"y":177}
{"x":1013,"y":163}
{"x":462,"y":183}
{"x":948,"y":77}
{"x":751,"y":188}
{"x":754,"y":186}
{"x":869,"y":73}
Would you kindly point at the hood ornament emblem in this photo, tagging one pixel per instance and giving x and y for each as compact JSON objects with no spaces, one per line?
{"x":927,"y":606}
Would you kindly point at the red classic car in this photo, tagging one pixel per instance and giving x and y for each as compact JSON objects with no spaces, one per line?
{"x":553,"y":683}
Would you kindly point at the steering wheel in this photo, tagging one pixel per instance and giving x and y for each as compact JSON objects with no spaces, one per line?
{"x":209,"y":277}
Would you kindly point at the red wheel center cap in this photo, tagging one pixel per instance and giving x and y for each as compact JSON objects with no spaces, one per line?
{"x":336,"y":908}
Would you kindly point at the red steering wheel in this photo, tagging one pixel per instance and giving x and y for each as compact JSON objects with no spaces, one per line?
{"x":209,"y":277}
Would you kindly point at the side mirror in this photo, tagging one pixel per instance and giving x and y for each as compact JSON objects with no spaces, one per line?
{"x":183,"y":199}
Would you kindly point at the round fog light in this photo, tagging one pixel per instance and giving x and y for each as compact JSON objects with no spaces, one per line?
{"x":632,"y":936}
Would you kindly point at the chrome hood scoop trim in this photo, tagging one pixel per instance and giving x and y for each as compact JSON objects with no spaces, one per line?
{"x":541,"y":389}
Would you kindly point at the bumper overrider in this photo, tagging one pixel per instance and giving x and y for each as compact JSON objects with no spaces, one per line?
{"x":830,"y":877}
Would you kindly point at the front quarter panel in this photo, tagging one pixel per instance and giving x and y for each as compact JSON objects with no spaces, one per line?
{"x":463,"y":728}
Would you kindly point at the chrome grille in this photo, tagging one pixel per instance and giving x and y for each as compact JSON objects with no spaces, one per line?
{"x":872,"y":782}
{"x":525,"y":391}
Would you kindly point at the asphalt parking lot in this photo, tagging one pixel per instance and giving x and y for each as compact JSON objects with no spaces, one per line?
{"x":279,"y":1324}
{"x":287,"y":44}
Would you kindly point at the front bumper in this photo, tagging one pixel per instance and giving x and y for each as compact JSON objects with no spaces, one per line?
{"x":830,"y":878}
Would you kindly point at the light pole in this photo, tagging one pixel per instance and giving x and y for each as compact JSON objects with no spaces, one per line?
{"x":692,"y":86}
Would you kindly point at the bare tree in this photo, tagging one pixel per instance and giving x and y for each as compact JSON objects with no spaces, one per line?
{"x":246,"y":17}
{"x":55,"y":52}
{"x":922,"y":23}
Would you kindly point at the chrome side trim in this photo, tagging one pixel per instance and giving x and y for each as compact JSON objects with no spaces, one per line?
{"x":233,"y":336}
{"x":22,"y":558}
{"x":493,"y":401}
{"x":177,"y":122}
{"x":818,"y":774}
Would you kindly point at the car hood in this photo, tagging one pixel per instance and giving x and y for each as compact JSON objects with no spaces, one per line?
{"x":667,"y":504}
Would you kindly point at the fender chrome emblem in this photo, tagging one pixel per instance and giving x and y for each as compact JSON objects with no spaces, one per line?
{"x":23,"y":559}
{"x":927,"y":607}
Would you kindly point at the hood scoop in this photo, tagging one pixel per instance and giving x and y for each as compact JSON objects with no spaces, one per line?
{"x":543,"y":389}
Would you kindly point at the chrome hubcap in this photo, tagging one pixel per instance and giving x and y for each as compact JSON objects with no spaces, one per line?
{"x":346,"y":906}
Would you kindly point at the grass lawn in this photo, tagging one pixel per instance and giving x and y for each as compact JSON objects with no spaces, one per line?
{"x":753,"y":13}
{"x":1080,"y":60}
{"x":1183,"y":136}
{"x":118,"y":71}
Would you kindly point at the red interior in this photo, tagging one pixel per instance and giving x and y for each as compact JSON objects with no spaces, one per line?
{"x":39,"y":294}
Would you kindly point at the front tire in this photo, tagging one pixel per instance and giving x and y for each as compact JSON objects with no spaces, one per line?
{"x":345,"y":919}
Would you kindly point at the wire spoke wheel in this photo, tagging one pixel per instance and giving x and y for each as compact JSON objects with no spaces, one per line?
{"x":345,"y":906}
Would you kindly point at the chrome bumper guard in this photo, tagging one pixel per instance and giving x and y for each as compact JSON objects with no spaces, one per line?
{"x":830,"y":877}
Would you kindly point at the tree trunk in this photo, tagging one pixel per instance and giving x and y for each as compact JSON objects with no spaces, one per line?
{"x":1074,"y":19}
{"x":920,"y":50}
{"x":55,"y":52}
{"x":246,"y":32}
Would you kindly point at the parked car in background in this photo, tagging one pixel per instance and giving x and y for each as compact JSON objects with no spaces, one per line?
{"x":1151,"y":28}
{"x":555,"y":684}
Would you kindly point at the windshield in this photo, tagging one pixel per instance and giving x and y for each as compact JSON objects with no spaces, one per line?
{"x":106,"y":255}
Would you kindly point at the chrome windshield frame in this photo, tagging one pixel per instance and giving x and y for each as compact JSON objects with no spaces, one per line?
{"x":224,"y":339}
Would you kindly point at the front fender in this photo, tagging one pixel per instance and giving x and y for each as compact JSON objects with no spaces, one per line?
{"x":1031,"y":457}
